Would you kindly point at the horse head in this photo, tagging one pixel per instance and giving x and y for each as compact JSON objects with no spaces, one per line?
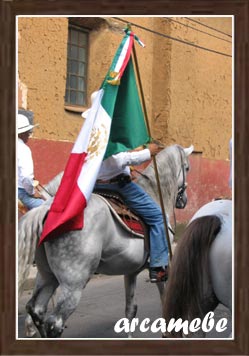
{"x":172,"y":165}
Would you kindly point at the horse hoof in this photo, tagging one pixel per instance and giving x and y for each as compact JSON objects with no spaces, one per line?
{"x":30,"y":333}
{"x":30,"y":329}
{"x":54,"y":328}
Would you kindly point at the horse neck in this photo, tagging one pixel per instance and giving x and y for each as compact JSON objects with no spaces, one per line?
{"x":167,"y":171}
{"x":51,"y":188}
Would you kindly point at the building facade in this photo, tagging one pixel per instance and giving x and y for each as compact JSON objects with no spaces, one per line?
{"x":186,"y":73}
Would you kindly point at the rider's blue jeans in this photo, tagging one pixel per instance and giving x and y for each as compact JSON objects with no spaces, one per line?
{"x":29,"y":201}
{"x":141,"y":203}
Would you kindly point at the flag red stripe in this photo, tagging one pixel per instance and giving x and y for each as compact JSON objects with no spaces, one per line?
{"x":127,"y":56}
{"x":66,"y":212}
{"x":68,"y":182}
{"x":70,"y":219}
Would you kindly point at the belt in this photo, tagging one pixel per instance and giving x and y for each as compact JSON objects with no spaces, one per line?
{"x":121,"y":179}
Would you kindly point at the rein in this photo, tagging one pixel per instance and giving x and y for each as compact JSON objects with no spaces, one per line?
{"x":181,"y":189}
{"x":141,"y":174}
{"x":45,"y":190}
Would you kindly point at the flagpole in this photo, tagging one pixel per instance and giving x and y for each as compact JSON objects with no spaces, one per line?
{"x":153,"y":157}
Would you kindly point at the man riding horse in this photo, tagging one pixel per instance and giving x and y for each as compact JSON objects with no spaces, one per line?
{"x":115,"y":175}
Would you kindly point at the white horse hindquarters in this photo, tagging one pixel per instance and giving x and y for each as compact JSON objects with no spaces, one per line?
{"x":220,"y":259}
{"x":215,"y":207}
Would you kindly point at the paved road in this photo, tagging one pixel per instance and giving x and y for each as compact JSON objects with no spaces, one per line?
{"x":102,"y":305}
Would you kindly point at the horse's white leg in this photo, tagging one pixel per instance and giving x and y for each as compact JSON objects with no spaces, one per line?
{"x":160,"y":287}
{"x":72,"y":280}
{"x":37,"y":305}
{"x":45,"y":286}
{"x":67,"y":301}
{"x":130,"y":299}
{"x":30,"y":329}
{"x":73,"y":258}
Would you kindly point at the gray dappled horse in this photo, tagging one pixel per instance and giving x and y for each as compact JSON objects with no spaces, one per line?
{"x":66,"y":263}
{"x":201,"y":270}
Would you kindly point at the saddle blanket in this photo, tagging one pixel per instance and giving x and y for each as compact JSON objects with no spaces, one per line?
{"x":131,"y":222}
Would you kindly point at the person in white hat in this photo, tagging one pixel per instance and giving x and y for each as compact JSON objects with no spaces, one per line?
{"x":27,"y":193}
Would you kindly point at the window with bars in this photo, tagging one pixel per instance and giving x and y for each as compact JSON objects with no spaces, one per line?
{"x":77,"y":49}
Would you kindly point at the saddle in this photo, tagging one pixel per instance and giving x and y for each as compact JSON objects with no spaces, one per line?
{"x":127,"y":219}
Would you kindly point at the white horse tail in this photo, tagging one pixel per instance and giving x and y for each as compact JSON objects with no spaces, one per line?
{"x":29,"y":229}
{"x":189,"y":283}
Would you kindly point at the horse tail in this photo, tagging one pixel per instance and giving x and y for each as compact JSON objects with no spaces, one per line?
{"x":189,"y":271}
{"x":29,"y":229}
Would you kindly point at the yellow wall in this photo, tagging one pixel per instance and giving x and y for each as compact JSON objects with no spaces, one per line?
{"x":201,"y":90}
{"x":42,"y":56}
{"x":187,"y":90}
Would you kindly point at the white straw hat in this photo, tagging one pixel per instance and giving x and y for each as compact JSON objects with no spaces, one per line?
{"x":93,"y":96}
{"x":23,"y":124}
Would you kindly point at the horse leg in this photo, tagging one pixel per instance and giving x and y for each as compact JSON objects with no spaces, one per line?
{"x":161,"y":290}
{"x":160,"y":287}
{"x":36,"y":307}
{"x":45,"y":286}
{"x":130,"y":299}
{"x":30,"y":329}
{"x":68,"y":298}
{"x":73,"y":258}
{"x":71,"y":283}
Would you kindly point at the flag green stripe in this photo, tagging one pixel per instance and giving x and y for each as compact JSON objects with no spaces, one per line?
{"x":111,"y":91}
{"x":128,"y":129}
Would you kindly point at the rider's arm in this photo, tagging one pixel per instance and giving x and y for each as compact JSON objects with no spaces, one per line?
{"x":27,"y":183}
{"x":26,"y":169}
{"x":134,"y":158}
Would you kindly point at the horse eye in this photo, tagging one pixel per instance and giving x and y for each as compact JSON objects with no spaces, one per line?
{"x":187,"y":168}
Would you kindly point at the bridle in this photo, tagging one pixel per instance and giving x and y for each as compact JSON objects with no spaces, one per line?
{"x":183,"y":187}
{"x":180,"y":191}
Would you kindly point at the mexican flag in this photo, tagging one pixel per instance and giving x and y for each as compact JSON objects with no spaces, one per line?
{"x":115,"y":123}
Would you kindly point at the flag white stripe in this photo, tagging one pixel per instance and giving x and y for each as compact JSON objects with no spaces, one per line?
{"x":83,"y":138}
{"x":90,"y":169}
{"x":98,"y":124}
{"x":122,"y":55}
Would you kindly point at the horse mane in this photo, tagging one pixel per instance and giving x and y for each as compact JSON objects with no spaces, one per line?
{"x":29,"y":230}
{"x":53,"y":185}
{"x":184,"y":288}
{"x":167,"y":164}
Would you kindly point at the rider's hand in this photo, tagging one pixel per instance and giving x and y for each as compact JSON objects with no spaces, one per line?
{"x":154,"y":148}
{"x":37,"y":194}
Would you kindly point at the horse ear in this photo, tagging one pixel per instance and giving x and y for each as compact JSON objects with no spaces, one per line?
{"x":189,"y":150}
